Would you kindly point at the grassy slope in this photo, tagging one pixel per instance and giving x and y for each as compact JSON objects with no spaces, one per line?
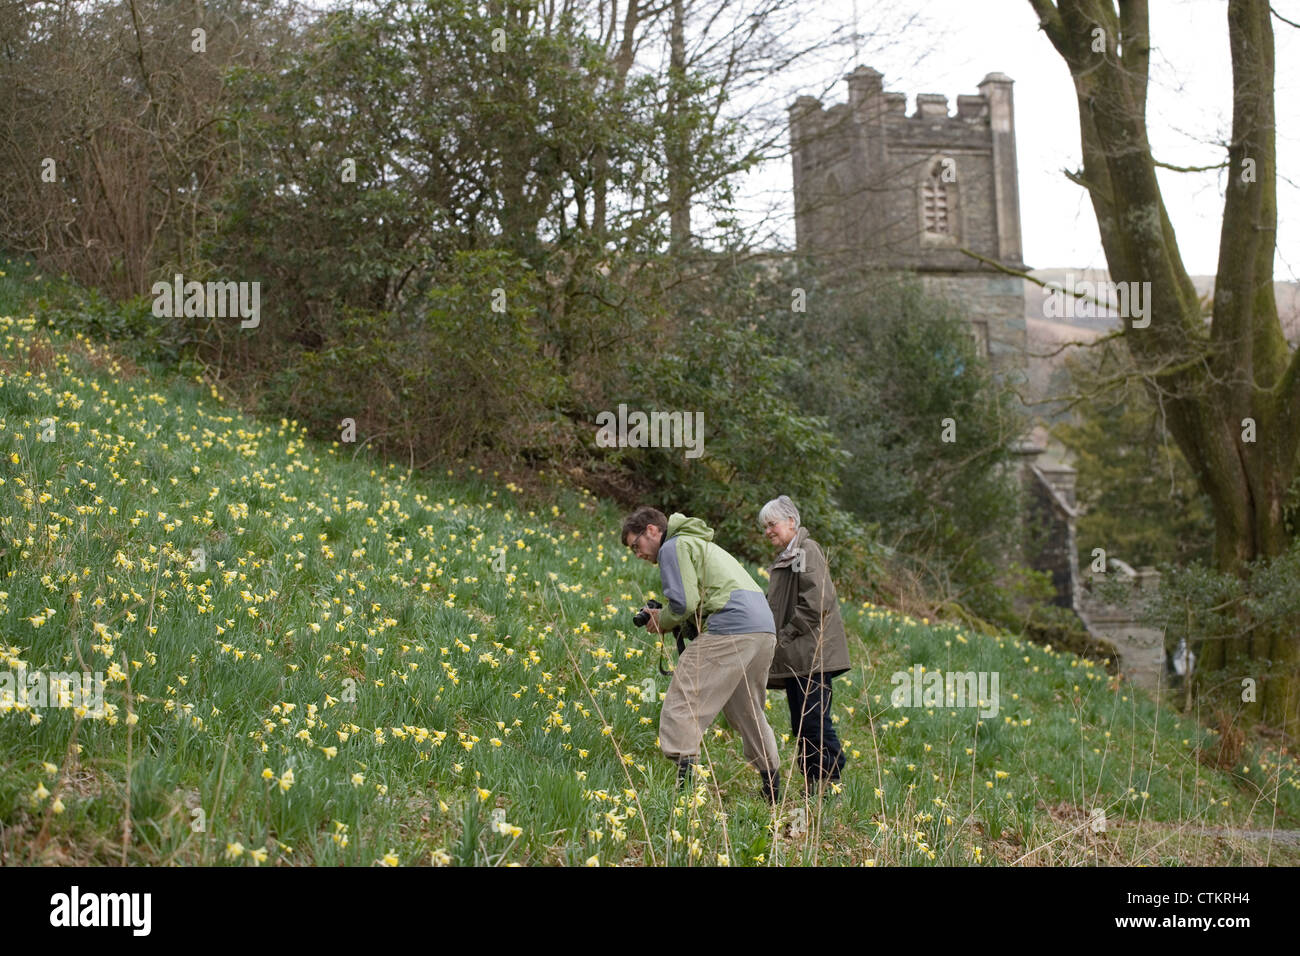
{"x":521,"y":690}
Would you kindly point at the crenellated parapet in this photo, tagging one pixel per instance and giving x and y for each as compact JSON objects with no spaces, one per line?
{"x":878,"y":187}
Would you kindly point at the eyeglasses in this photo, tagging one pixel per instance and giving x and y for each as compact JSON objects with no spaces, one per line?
{"x":636,"y":540}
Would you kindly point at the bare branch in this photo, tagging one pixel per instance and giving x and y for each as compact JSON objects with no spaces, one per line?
{"x":1290,"y":23}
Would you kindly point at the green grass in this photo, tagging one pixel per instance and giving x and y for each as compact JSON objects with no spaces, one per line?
{"x":358,"y":674}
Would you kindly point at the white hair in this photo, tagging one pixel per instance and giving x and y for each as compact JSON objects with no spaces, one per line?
{"x":778,"y":509}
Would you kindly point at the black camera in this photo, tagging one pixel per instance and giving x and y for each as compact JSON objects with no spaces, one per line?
{"x":642,"y":618}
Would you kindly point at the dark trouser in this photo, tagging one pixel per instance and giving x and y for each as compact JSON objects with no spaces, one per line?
{"x":819,"y":749}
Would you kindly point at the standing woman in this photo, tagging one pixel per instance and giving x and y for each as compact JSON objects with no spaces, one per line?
{"x":811,"y":647}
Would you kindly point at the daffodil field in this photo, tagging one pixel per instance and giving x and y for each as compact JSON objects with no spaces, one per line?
{"x":313,"y":657}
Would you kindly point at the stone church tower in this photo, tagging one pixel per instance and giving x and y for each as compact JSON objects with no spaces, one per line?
{"x":877,"y":188}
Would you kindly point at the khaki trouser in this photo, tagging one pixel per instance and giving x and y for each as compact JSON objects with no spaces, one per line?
{"x":720,"y":672}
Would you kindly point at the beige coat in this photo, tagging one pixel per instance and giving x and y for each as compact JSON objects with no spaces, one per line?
{"x":809,"y":630}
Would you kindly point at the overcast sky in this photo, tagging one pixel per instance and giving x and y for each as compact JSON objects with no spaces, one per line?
{"x":1189,"y":112}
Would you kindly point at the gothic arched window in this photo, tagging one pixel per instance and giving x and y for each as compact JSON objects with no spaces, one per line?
{"x":939,"y":201}
{"x":934,"y":201}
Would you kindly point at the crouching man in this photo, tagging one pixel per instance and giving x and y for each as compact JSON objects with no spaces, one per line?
{"x":725,"y":667}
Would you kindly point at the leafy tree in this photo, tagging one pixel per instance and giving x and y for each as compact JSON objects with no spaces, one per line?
{"x":895,"y":374}
{"x":1139,"y":499}
{"x":398,"y":137}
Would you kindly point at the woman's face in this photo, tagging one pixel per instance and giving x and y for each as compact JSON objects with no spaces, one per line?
{"x":779,"y":531}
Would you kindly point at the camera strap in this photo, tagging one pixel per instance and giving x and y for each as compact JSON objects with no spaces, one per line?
{"x":684,"y":634}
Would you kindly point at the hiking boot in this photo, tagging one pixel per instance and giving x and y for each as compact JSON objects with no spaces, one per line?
{"x":685,"y":772}
{"x":771,"y":790}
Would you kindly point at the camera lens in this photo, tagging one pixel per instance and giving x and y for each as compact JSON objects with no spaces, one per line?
{"x":642,"y":618}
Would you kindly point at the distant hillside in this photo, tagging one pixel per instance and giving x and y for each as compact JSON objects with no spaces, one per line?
{"x":1045,"y":336}
{"x":1286,"y":293}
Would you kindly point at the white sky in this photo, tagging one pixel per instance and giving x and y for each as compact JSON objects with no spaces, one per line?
{"x":1189,"y":110}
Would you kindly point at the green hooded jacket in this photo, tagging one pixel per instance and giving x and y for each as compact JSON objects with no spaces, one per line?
{"x":701,"y":580}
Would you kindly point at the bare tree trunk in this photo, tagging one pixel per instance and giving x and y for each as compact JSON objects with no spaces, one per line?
{"x":678,"y":147}
{"x":622,"y":64}
{"x":1213,"y":385}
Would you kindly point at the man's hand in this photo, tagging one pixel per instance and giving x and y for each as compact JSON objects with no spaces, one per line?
{"x":652,"y":625}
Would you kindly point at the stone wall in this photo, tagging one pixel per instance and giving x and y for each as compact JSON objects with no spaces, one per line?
{"x":1141,"y":649}
{"x":1051,"y":509}
{"x":994,"y":304}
